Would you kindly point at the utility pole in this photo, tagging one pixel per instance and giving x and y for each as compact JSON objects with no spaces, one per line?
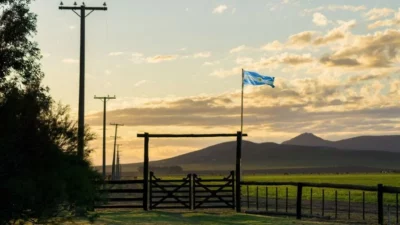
{"x":115,"y":145}
{"x":104,"y":100}
{"x":118,"y":169}
{"x":81,"y":114}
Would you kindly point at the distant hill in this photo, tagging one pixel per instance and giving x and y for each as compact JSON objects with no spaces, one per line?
{"x":380,"y":143}
{"x":276,"y":156}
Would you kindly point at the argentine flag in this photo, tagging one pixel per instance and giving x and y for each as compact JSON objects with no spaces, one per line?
{"x":253,"y":78}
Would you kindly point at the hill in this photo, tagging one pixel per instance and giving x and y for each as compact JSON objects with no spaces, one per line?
{"x":268,"y":156}
{"x":389,"y":143}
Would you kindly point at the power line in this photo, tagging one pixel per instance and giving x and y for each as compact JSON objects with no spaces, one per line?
{"x":81,"y":114}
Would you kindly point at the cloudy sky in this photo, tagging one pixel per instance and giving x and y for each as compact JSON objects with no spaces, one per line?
{"x":175,"y":67}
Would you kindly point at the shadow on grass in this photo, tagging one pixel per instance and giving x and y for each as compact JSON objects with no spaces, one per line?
{"x":122,"y":217}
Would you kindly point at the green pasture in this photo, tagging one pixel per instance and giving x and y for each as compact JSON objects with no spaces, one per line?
{"x":343,"y":195}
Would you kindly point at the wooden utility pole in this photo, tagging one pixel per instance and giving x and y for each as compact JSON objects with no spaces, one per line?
{"x":104,"y":100}
{"x":81,"y":114}
{"x":115,"y":146}
{"x":118,"y":168}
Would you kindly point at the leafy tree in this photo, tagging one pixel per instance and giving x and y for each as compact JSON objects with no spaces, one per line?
{"x":41,"y":175}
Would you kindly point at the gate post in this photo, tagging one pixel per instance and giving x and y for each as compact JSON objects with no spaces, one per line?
{"x":146,"y":172}
{"x":238,"y":169}
{"x":233,"y":188}
{"x":151,"y":190}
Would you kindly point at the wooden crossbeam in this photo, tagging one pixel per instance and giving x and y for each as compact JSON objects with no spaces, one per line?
{"x":188,"y":135}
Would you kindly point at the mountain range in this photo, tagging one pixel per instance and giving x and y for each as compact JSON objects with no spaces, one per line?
{"x":305,"y":152}
{"x":381,"y":143}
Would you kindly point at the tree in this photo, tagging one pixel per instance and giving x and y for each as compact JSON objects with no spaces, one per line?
{"x":41,"y":175}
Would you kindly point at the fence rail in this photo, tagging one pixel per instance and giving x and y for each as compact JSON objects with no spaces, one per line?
{"x":331,"y":205}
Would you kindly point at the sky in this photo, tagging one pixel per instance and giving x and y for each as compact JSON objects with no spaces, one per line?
{"x":175,"y":67}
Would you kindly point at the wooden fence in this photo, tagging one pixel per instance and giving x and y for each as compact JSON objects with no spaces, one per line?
{"x":299,"y":202}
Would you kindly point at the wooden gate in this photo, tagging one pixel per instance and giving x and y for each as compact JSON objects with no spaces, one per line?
{"x":170,"y":194}
{"x":214,"y":193}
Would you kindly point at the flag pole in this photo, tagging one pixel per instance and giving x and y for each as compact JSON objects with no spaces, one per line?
{"x":241,"y":115}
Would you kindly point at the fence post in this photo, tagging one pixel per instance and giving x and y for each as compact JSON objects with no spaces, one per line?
{"x":233,"y":189}
{"x":238,"y":169}
{"x":380,"y":204}
{"x":146,"y":171}
{"x":298,"y":201}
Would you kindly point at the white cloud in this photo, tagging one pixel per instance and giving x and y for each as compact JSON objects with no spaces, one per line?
{"x":115,"y":53}
{"x":72,"y":27}
{"x":244,"y":60}
{"x":202,"y":55}
{"x":238,"y":49}
{"x":319,"y":19}
{"x":108,"y":72}
{"x":182,"y":49}
{"x":273,"y":46}
{"x":220,"y":9}
{"x":70,"y":61}
{"x":377,"y":13}
{"x":139,"y":83}
{"x":233,"y":10}
{"x":187,"y":9}
{"x":211,"y":63}
{"x":161,"y":58}
{"x":351,"y":8}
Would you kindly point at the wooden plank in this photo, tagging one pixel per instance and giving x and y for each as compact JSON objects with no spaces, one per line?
{"x":214,"y":206}
{"x":391,"y":189}
{"x":170,"y":185}
{"x":121,"y":191}
{"x":215,"y":180}
{"x":215,"y":185}
{"x":205,"y":191}
{"x":169,"y":181}
{"x":124,"y":199}
{"x":322,"y":185}
{"x":222,"y":196}
{"x":178,"y":191}
{"x":187,"y":135}
{"x":170,"y":202}
{"x":170,"y":207}
{"x":118,"y":206}
{"x":123,"y":182}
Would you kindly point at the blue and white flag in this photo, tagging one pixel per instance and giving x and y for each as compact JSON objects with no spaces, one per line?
{"x":253,"y":78}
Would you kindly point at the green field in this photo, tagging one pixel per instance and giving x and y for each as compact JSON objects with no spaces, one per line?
{"x":343,"y":195}
{"x":122,"y":217}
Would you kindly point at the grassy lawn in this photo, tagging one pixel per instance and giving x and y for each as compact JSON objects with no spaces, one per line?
{"x":120,"y":217}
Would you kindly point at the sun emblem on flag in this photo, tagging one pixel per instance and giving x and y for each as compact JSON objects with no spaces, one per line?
{"x":260,"y":79}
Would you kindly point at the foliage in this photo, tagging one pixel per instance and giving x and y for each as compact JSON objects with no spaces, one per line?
{"x":41,"y":174}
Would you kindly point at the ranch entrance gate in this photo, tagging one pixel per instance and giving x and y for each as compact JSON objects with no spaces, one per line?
{"x":190,"y":192}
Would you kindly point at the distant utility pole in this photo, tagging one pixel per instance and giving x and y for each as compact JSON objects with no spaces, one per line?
{"x":118,"y":169}
{"x":81,"y":116}
{"x":115,"y":145}
{"x":104,"y":100}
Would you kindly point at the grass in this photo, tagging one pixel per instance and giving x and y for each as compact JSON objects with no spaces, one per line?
{"x":121,"y":217}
